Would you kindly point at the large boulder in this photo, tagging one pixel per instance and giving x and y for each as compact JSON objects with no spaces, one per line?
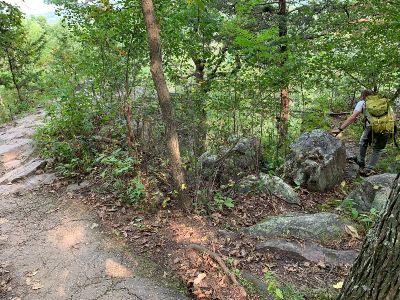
{"x":319,"y":227}
{"x":265,"y":183}
{"x":316,"y":161}
{"x":231,"y":163}
{"x":352,"y":170}
{"x":372,"y":192}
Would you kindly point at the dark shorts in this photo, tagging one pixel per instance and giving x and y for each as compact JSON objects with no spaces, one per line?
{"x":377,"y":140}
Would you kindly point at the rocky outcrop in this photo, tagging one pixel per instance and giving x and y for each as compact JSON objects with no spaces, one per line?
{"x":23,"y":171}
{"x":319,"y":227}
{"x":351,"y":171}
{"x":310,"y":251}
{"x":78,"y":187}
{"x":231,"y":163}
{"x":273,"y":185}
{"x":372,"y":192}
{"x":316,"y":161}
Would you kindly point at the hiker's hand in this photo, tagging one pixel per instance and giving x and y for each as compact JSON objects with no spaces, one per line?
{"x":335,"y":131}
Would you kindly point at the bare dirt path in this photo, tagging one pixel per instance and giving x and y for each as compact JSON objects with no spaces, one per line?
{"x":51,"y":247}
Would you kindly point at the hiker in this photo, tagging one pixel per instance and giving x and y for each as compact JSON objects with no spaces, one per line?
{"x":379,"y":124}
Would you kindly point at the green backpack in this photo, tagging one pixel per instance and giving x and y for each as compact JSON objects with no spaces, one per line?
{"x":379,"y":114}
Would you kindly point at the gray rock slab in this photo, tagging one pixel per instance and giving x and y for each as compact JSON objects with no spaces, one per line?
{"x":269,"y":184}
{"x":22,"y":171}
{"x":351,"y":171}
{"x":310,"y":251}
{"x":29,"y":184}
{"x":372,"y":192}
{"x":351,"y":150}
{"x":320,"y":227}
{"x":316,"y":161}
{"x":77,"y":187}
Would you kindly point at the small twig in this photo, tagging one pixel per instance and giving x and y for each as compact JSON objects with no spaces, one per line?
{"x":219,"y":260}
{"x":339,"y":113}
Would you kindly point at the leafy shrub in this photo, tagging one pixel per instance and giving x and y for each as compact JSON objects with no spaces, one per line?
{"x":365,"y":219}
{"x":220,"y":201}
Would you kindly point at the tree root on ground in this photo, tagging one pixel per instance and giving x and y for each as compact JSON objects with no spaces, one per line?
{"x":223,"y":266}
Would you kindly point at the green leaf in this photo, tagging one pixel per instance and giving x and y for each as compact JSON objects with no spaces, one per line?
{"x":279,"y":293}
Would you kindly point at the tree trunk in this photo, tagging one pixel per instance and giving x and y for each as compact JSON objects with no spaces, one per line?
{"x":283,"y":31}
{"x":375,"y":274}
{"x":127,"y":107}
{"x":164,"y":99}
{"x":200,"y":134}
{"x":13,"y":76}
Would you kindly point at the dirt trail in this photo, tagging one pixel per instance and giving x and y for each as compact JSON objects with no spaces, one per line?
{"x":51,"y":247}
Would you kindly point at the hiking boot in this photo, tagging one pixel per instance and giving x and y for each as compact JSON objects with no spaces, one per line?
{"x":361,"y":164}
{"x":367,"y":172}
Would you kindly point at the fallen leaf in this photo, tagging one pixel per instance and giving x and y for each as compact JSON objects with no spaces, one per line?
{"x":352,"y":231}
{"x":204,"y":238}
{"x":338,"y":285}
{"x":199,"y":278}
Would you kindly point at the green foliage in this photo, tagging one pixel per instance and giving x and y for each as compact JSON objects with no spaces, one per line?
{"x":20,"y":72}
{"x":367,"y":220}
{"x":387,"y":164}
{"x":281,"y":291}
{"x":221,"y":201}
{"x":117,"y":164}
{"x":117,"y":170}
{"x":135,"y":192}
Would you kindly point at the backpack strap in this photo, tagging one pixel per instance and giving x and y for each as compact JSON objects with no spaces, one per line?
{"x":394,"y":137}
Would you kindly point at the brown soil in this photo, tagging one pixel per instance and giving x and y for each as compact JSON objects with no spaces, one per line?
{"x":165,"y":237}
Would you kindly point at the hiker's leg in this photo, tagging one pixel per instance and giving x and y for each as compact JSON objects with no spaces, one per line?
{"x":378,"y":144}
{"x":364,"y":141}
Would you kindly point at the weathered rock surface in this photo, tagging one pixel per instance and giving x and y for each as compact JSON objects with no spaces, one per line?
{"x":78,"y":187}
{"x":30,"y":184}
{"x":22,"y":171}
{"x":316,"y":161}
{"x":372,"y":192}
{"x":320,"y":227}
{"x":231,"y":163}
{"x":352,"y":170}
{"x":269,"y":184}
{"x":310,"y":251}
{"x":351,"y":151}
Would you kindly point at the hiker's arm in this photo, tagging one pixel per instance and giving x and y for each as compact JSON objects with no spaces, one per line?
{"x":350,"y":120}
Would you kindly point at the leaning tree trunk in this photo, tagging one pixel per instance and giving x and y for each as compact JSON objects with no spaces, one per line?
{"x":376,"y":273}
{"x":164,"y":99}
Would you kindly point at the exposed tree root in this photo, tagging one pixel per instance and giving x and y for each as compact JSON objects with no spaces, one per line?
{"x":219,"y":260}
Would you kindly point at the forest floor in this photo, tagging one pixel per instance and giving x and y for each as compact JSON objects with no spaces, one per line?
{"x":63,"y":241}
{"x":53,"y":246}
